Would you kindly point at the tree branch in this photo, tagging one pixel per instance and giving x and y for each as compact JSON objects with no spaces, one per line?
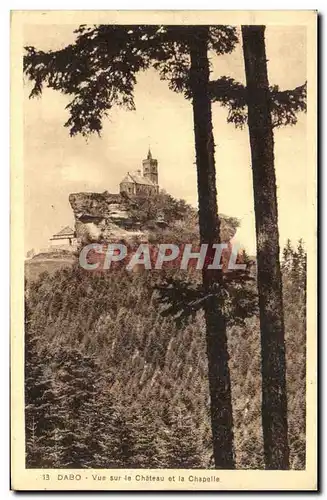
{"x":284,"y":104}
{"x":99,"y":69}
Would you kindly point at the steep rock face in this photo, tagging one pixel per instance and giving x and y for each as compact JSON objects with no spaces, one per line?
{"x":104,"y":217}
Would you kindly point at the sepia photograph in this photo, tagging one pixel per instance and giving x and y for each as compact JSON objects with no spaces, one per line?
{"x":163,"y":271}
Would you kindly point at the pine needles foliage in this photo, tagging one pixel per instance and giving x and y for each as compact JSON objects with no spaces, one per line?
{"x":112,"y":382}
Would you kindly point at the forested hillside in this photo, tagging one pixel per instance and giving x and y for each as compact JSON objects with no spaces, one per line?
{"x":111,"y":382}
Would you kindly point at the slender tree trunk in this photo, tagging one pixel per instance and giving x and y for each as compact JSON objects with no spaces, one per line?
{"x":274,"y":397}
{"x":219,"y":378}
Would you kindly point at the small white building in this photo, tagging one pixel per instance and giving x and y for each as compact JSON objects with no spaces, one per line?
{"x":65,"y":238}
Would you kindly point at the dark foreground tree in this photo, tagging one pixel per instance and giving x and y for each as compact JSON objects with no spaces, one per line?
{"x":98,"y":71}
{"x":274,"y":397}
{"x":217,"y":350}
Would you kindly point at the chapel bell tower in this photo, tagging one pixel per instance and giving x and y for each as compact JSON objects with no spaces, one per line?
{"x":150,"y":168}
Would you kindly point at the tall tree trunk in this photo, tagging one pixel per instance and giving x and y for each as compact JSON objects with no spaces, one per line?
{"x":219,"y":377}
{"x":274,"y":397}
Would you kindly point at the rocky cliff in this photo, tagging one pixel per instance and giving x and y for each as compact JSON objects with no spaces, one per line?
{"x":104,"y":217}
{"x":110,"y":217}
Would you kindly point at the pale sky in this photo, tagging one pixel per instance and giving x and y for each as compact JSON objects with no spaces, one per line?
{"x":57,"y":165}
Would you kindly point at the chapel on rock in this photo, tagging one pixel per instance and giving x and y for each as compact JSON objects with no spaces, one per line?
{"x":143,"y":182}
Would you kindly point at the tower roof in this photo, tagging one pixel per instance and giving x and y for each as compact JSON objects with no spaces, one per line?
{"x":149,"y":154}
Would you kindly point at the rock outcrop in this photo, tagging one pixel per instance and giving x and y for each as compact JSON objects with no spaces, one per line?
{"x":104,"y":217}
{"x":107,"y":217}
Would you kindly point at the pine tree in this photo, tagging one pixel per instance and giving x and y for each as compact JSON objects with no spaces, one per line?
{"x":36,"y":405}
{"x":263,"y":108}
{"x":181,"y":443}
{"x":302,"y":260}
{"x":274,"y":398}
{"x":287,"y":255}
{"x":146,"y":425}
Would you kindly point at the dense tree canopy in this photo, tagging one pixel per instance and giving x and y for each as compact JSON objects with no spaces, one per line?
{"x":132,"y":385}
{"x":99,"y":71}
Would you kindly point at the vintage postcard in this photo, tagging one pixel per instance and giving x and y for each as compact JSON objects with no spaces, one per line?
{"x":163,"y":279}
